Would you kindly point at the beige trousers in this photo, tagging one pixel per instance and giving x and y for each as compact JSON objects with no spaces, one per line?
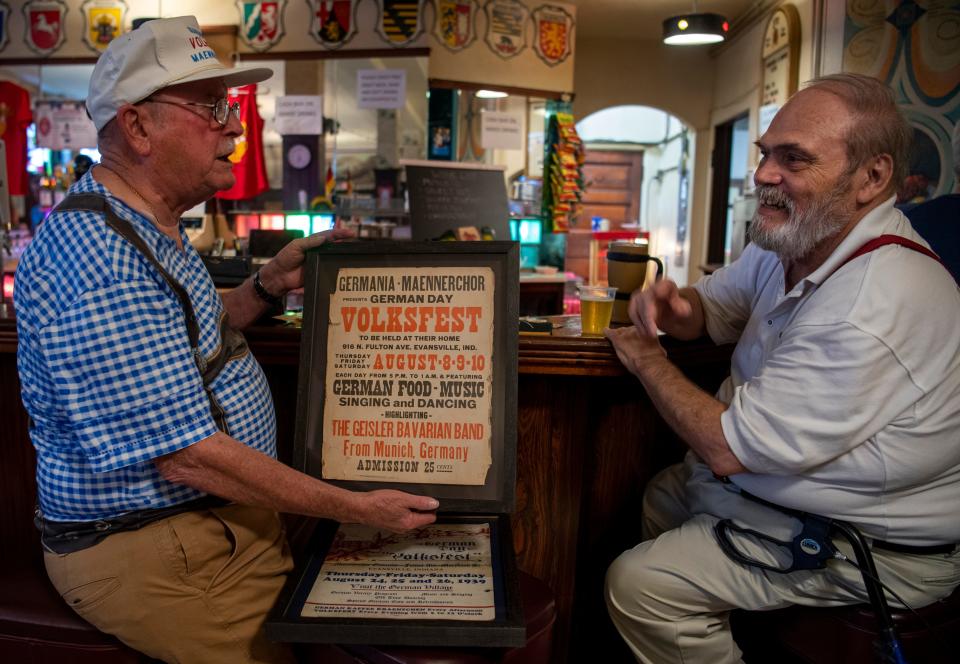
{"x":671,"y":596}
{"x":195,"y":587}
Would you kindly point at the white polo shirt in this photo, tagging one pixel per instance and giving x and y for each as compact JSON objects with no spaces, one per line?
{"x":844,"y":394}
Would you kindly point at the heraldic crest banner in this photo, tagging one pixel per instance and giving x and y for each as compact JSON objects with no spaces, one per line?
{"x":44,"y":19}
{"x":506,"y":27}
{"x":102,"y":22}
{"x":455,"y":23}
{"x":261,"y":23}
{"x":553,"y":28}
{"x":4,"y":24}
{"x":400,"y":21}
{"x":333,"y":23}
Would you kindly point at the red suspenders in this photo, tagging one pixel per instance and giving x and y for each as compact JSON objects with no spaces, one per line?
{"x":882,"y":240}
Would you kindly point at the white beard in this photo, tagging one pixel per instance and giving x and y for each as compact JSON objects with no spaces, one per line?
{"x":804,"y":229}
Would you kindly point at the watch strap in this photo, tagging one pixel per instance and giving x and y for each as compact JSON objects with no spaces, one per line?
{"x":263,"y":293}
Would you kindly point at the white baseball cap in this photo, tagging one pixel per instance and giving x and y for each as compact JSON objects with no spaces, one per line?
{"x":159,"y":53}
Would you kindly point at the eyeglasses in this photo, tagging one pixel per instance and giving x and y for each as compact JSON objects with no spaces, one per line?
{"x":221,"y":110}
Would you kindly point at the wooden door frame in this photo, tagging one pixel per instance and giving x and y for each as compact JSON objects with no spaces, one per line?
{"x":719,"y":190}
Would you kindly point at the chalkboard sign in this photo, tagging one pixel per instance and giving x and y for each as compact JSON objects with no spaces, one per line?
{"x":445,"y":196}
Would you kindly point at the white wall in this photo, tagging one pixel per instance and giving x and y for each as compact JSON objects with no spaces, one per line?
{"x":702,"y":86}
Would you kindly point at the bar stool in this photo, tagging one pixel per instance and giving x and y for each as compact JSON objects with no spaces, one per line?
{"x":36,"y":626}
{"x":539,"y":612}
{"x":845,"y":635}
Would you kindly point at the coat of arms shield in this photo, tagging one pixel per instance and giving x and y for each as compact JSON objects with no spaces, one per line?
{"x":4,"y":24}
{"x":261,"y":23}
{"x":103,"y":22}
{"x":554,"y":33}
{"x":334,"y":22}
{"x":455,"y":23}
{"x":44,"y":19}
{"x":400,"y":21}
{"x":506,"y":27}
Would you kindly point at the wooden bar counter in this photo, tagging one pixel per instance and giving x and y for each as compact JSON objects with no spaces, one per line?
{"x":588,"y":441}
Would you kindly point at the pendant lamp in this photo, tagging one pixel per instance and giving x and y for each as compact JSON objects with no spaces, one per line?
{"x":695,"y":28}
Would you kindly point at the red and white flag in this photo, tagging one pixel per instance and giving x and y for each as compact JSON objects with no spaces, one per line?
{"x":249,"y":166}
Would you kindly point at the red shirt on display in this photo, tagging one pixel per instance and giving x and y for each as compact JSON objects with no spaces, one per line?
{"x":15,"y":117}
{"x":249,"y":166}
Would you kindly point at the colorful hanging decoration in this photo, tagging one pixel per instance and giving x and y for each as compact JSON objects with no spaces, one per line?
{"x":261,"y":23}
{"x":563,"y":185}
{"x":400,"y":21}
{"x":44,"y":18}
{"x":103,"y":22}
{"x":334,"y":21}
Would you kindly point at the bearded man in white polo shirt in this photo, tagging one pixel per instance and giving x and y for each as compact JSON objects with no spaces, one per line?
{"x":843,"y":398}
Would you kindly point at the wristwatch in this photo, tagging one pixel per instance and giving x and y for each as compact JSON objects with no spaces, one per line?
{"x":263,"y":293}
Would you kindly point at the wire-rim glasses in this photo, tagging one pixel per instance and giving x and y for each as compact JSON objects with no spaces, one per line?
{"x":220,"y":110}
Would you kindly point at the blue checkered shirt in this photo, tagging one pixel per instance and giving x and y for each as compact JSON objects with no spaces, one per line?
{"x":106,"y":369}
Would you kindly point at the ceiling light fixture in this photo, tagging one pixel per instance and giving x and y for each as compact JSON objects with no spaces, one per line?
{"x":695,"y":28}
{"x":490,"y":94}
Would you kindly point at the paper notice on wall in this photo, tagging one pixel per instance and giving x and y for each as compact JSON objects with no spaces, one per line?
{"x":381,"y":88}
{"x":299,"y":115}
{"x":64,"y":125}
{"x":501,"y":131}
{"x":765,"y":117}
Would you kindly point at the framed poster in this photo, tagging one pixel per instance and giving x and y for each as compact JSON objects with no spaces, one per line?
{"x":453,"y":583}
{"x":408,"y":380}
{"x":408,"y":370}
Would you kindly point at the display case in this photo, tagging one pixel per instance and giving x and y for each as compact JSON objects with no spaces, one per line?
{"x":408,"y":381}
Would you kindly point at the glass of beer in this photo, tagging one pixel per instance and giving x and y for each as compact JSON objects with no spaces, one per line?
{"x":596,"y":307}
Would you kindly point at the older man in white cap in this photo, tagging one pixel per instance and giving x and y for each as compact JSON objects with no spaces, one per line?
{"x":154,"y":426}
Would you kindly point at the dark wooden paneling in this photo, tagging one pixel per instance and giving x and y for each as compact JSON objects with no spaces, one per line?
{"x":600,"y":196}
{"x":612,"y":190}
{"x":617,"y":214}
{"x":20,"y":541}
{"x":549,"y":469}
{"x":612,"y":176}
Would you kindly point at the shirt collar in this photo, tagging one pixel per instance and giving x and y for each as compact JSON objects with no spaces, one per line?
{"x":873,"y":224}
{"x":89,"y":184}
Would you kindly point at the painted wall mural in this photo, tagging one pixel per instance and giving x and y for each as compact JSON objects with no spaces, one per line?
{"x":913,"y":45}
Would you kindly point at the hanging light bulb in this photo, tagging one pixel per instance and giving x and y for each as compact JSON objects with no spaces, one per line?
{"x":695,"y":28}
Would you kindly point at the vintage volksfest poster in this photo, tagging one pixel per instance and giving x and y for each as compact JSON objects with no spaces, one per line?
{"x":440,"y":572}
{"x":409,"y":375}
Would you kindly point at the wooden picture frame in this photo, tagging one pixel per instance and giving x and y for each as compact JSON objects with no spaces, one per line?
{"x":338,"y":278}
{"x":506,"y":630}
{"x":496,"y":494}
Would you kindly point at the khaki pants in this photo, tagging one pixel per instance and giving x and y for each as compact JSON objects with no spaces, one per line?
{"x":671,"y":597}
{"x":195,"y":587}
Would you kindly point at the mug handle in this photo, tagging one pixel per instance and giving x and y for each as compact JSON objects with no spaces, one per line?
{"x":637,"y":258}
{"x":659,"y":268}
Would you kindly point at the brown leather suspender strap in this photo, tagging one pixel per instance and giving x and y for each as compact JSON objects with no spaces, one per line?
{"x":232,"y":343}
